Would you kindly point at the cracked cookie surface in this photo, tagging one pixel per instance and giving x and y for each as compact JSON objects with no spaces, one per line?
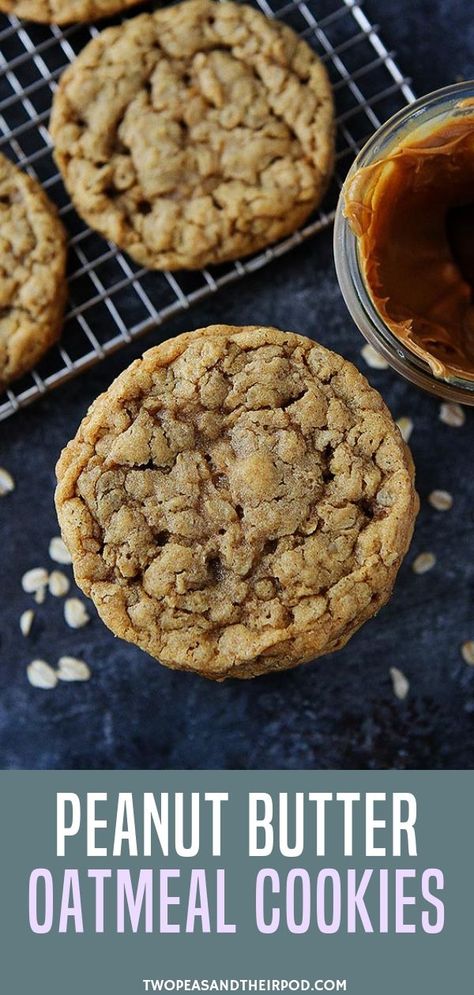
{"x":238,"y":501}
{"x":196,"y":134}
{"x":32,"y":272}
{"x":64,"y":11}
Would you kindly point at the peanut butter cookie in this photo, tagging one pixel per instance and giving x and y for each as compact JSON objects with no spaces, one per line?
{"x":239,"y":501}
{"x":196,"y":134}
{"x":32,"y":272}
{"x":64,"y":11}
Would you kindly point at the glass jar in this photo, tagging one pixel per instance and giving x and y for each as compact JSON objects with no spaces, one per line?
{"x":429,"y":110}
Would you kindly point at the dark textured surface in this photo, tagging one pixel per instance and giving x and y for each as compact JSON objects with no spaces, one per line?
{"x":339,"y":712}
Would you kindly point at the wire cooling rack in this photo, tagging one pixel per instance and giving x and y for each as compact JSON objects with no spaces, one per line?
{"x":111,"y":300}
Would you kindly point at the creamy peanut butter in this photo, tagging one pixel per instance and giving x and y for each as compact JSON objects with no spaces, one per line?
{"x":413,"y":215}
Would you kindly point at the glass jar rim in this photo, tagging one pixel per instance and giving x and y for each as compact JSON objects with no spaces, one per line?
{"x":351,"y":282}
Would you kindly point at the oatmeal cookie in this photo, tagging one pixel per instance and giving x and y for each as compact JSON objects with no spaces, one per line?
{"x":64,"y":11}
{"x":32,"y":272}
{"x":196,"y":134}
{"x":239,"y":501}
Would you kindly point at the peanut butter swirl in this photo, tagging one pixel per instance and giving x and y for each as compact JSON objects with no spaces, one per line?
{"x":413,"y":214}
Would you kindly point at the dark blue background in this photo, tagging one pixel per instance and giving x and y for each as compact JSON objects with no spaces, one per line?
{"x":337,"y":712}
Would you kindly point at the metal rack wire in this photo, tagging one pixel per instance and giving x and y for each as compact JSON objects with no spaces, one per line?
{"x":111,"y":300}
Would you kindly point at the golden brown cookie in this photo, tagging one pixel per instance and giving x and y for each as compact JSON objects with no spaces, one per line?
{"x":238,"y":501}
{"x":196,"y":134}
{"x":64,"y":11}
{"x":32,"y":272}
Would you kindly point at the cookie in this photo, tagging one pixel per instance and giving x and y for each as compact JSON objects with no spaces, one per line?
{"x":239,"y":501}
{"x":32,"y":272}
{"x":196,"y":134}
{"x":64,"y":11}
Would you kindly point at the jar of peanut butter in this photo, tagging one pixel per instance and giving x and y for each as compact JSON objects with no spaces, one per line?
{"x":404,"y":242}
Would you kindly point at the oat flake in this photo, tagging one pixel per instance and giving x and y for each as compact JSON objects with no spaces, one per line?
{"x":373,"y":358}
{"x":401,"y":685}
{"x":75,"y":613}
{"x":441,"y":500}
{"x":58,"y":584}
{"x":423,"y":563}
{"x":406,"y":427}
{"x":72,"y":669}
{"x":467,"y":652}
{"x":7,"y":483}
{"x":452,"y":414}
{"x":58,"y":551}
{"x":26,"y":621}
{"x":35,"y":579}
{"x":41,"y":675}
